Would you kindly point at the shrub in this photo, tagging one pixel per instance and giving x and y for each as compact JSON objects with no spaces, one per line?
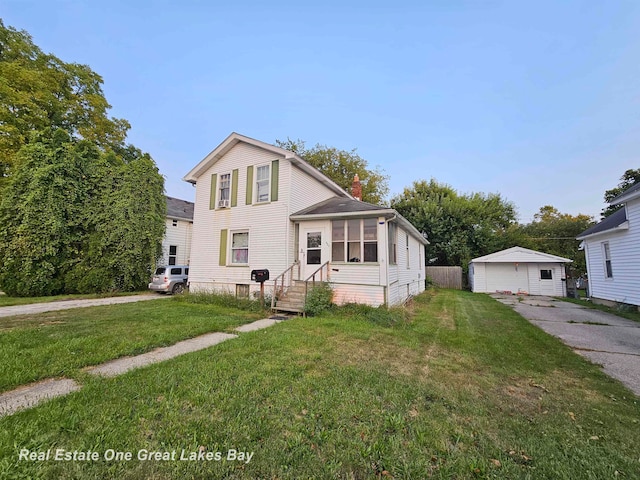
{"x":319,"y":299}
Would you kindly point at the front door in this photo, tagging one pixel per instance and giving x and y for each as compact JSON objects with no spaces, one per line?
{"x":314,"y":250}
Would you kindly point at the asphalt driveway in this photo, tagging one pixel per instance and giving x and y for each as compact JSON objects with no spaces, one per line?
{"x":603,"y":338}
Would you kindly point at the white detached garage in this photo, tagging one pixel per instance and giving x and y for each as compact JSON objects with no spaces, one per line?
{"x":518,"y":270}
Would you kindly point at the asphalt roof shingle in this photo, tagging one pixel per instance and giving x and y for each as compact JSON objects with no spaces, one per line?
{"x":612,"y":221}
{"x":178,"y":208}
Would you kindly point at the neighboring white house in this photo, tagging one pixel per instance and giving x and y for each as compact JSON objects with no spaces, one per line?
{"x":262,"y":207}
{"x":612,"y":250}
{"x":176,"y":245}
{"x":519,"y":270}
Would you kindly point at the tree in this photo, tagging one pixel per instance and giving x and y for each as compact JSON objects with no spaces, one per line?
{"x":341,"y":166}
{"x":458,"y":227}
{"x":74,"y":218}
{"x":40,"y":91}
{"x":627,"y":180}
{"x":555,"y":233}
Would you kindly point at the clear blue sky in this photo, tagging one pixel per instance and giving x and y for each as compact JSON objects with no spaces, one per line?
{"x":538,"y":101}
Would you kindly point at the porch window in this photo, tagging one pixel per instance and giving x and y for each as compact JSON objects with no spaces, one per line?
{"x":354,"y":240}
{"x":262,"y":184}
{"x":393,"y":244}
{"x":353,"y":245}
{"x":337,"y":241}
{"x":606,"y":253}
{"x":240,"y":248}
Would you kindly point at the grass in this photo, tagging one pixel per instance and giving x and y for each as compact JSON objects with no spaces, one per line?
{"x":619,"y":311}
{"x":463,"y":388}
{"x":7,"y":301}
{"x":33,"y":347}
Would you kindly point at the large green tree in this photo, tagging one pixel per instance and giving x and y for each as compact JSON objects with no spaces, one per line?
{"x":458,"y":227}
{"x":80,"y":210}
{"x":628,"y":179}
{"x":74,"y":218}
{"x":554,"y":232}
{"x":39,"y":91}
{"x":341,"y":166}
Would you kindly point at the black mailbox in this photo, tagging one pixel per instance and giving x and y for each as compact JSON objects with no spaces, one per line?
{"x":260,"y":275}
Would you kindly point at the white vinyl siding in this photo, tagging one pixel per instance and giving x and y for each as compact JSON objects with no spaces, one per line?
{"x":178,"y":236}
{"x":624,"y":251}
{"x":265,"y":222}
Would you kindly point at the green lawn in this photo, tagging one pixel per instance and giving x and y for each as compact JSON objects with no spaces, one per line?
{"x":465,"y":389}
{"x":53,"y":344}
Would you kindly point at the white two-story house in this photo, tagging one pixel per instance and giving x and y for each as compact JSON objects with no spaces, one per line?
{"x":176,"y":244}
{"x":259,"y":206}
{"x":612,"y":250}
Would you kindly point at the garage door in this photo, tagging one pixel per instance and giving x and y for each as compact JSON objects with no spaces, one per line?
{"x":507,"y":277}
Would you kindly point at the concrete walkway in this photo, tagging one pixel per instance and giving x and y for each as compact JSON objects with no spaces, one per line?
{"x":67,"y":304}
{"x":31,"y":395}
{"x":603,"y":338}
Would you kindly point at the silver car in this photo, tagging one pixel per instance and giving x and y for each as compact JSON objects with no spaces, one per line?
{"x":170,"y":279}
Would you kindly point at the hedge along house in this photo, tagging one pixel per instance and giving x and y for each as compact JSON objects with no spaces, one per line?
{"x":259,"y":206}
{"x":519,"y":270}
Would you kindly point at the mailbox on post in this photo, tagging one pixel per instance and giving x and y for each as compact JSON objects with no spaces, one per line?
{"x":260,"y":275}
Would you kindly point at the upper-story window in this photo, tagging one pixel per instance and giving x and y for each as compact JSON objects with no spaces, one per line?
{"x":174,"y":222}
{"x":263,"y":186}
{"x":224,"y":192}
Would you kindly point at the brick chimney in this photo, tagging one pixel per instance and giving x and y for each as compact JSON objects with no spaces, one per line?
{"x":356,"y":188}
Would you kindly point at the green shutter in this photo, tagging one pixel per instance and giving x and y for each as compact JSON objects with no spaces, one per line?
{"x":223,"y":248}
{"x":275,"y":173}
{"x":212,"y":197}
{"x":249,"y":185}
{"x":234,"y":188}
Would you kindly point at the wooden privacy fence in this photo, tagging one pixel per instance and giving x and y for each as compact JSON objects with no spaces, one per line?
{"x":445,"y":277}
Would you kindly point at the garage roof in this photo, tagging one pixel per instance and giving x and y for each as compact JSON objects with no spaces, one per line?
{"x":520,"y":255}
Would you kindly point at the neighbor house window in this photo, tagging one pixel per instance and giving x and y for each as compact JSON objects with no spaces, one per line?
{"x":606,"y":253}
{"x":174,"y":223}
{"x":173,"y":252}
{"x":546,"y":275}
{"x":224,"y":196}
{"x":240,"y":248}
{"x":393,"y":244}
{"x":262,"y":184}
{"x":354,"y":240}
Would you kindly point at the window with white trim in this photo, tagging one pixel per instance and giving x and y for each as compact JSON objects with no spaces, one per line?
{"x":173,"y":253}
{"x":240,"y":248}
{"x":546,"y":274}
{"x":606,"y":254}
{"x":393,"y":243}
{"x":224,"y":191}
{"x":354,"y":240}
{"x":263,"y":183}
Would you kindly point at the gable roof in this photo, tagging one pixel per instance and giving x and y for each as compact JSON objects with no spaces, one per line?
{"x":235,"y":138}
{"x":338,"y":208}
{"x":519,"y":255}
{"x":177,"y":208}
{"x":628,"y":194}
{"x":615,"y":221}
